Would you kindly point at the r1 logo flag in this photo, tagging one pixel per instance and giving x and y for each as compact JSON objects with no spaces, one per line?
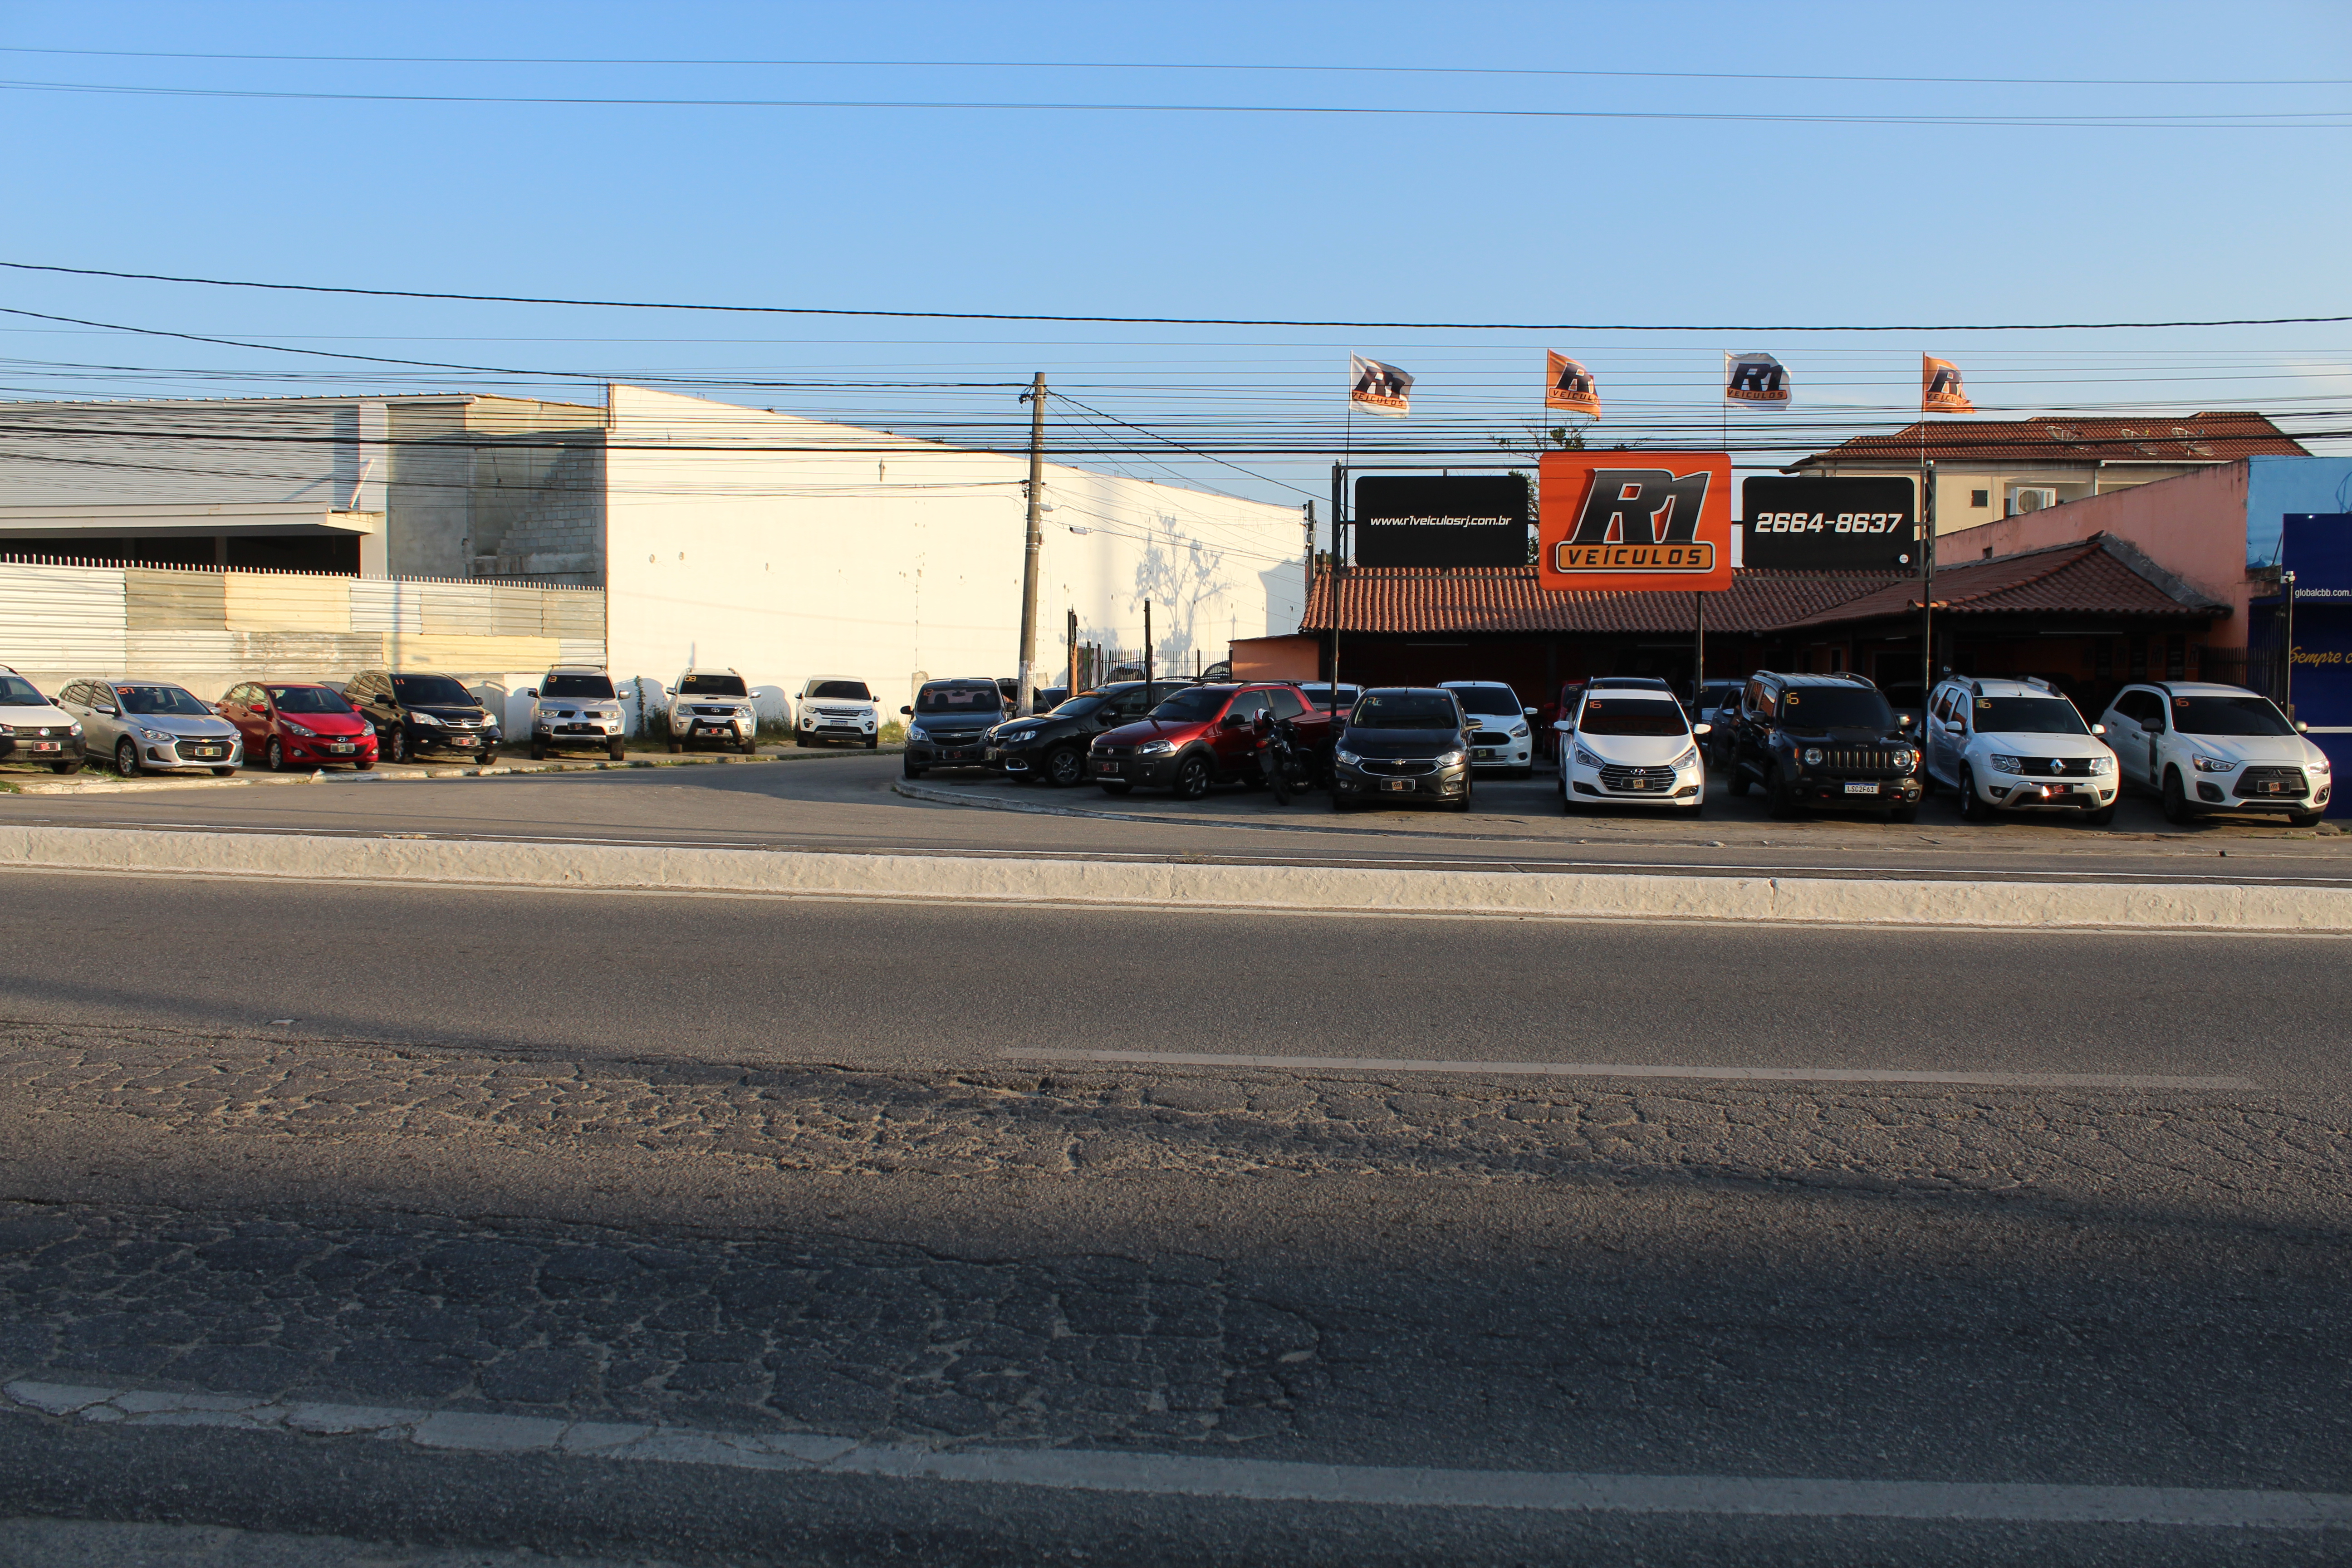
{"x":1756,"y":379}
{"x":1568,"y":386}
{"x":1940,"y":390}
{"x":1378,"y":388}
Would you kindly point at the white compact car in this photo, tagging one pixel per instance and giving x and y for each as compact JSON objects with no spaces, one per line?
{"x":1503,"y":743}
{"x":836,"y":708}
{"x":712,"y":706}
{"x":35,"y":730}
{"x":575,"y":705}
{"x":1632,"y":746}
{"x":2018,"y":745}
{"x":2221,"y":749}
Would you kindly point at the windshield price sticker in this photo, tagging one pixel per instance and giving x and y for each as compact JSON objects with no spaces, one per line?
{"x":1861,"y":523}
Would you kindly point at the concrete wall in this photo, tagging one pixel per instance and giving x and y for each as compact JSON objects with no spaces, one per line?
{"x":825,"y":549}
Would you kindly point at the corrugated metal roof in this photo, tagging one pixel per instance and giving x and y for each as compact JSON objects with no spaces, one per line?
{"x":2213,"y":437}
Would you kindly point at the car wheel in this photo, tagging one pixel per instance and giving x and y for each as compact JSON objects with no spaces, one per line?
{"x":1065,"y":768}
{"x":802,"y":739}
{"x":1340,"y":803}
{"x":224,"y":773}
{"x":126,"y":758}
{"x":71,"y":767}
{"x":2306,"y":818}
{"x":365,"y":764}
{"x":2177,"y":810}
{"x":395,"y":744}
{"x":616,"y":751}
{"x":1902,"y":815}
{"x":1192,"y":777}
{"x":1115,"y":786}
{"x":538,"y":749}
{"x":1972,"y":804}
{"x":1696,"y":809}
{"x":1568,"y":805}
{"x":276,"y":756}
{"x":1462,"y":807}
{"x":871,"y":742}
{"x":675,"y":746}
{"x":2099,"y":816}
{"x":1737,"y":782}
{"x":910,"y":770}
{"x":1777,"y":796}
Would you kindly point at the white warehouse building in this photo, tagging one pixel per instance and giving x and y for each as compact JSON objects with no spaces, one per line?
{"x":781,"y":546}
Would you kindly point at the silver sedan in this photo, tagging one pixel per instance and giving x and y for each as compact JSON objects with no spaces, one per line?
{"x":139,"y":725}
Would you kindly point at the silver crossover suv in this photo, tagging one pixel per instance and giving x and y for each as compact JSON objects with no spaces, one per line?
{"x":139,"y":725}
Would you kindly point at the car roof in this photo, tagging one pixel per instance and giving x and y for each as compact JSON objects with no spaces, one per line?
{"x":1842,"y":677}
{"x":2002,"y":685}
{"x":1626,"y":682}
{"x":2196,"y":689}
{"x":1457,"y":685}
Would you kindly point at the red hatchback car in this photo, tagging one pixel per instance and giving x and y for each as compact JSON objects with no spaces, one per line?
{"x":1201,"y":736}
{"x":297,"y":724}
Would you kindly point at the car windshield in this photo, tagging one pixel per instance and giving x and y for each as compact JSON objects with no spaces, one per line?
{"x":15,"y":691}
{"x":160,"y":700}
{"x":1084,"y":703}
{"x":1192,"y":706}
{"x":596,"y":686}
{"x":1624,"y":716}
{"x":940,"y":698}
{"x":1831,"y":707}
{"x":712,"y":686}
{"x":842,"y":690}
{"x":431,"y":692}
{"x":2028,"y":716}
{"x":307,"y":699}
{"x":1404,"y":710}
{"x":1494,"y":701}
{"x":2247,"y":715}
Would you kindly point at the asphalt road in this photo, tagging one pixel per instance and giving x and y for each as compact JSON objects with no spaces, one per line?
{"x":846,"y":803}
{"x":758,"y":1167}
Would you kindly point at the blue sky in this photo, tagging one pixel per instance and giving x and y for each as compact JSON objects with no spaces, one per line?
{"x":1422,"y":218}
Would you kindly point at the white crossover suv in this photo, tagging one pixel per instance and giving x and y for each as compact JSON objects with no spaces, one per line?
{"x":2220,"y":750}
{"x":712,"y":706}
{"x":575,"y":705}
{"x":1631,"y":745}
{"x":2018,"y":745}
{"x":836,"y":708}
{"x":1502,"y":743}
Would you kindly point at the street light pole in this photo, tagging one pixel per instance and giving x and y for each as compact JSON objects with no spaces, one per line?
{"x":1036,"y":545}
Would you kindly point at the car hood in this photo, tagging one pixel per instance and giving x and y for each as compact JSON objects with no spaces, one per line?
{"x":35,"y":718}
{"x":955,"y":723}
{"x":1366,"y":742}
{"x":2032,"y":743}
{"x":188,"y":724}
{"x":1636,"y":751}
{"x":2293,"y":750}
{"x":439,"y":711}
{"x":1145,"y":730}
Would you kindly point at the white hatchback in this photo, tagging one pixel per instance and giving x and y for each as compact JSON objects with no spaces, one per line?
{"x":2018,"y":745}
{"x":1630,"y":746}
{"x":1503,"y":743}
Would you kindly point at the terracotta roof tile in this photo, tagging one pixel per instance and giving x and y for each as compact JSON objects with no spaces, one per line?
{"x":2214,"y":437}
{"x":1507,"y":600}
{"x":2084,"y":577}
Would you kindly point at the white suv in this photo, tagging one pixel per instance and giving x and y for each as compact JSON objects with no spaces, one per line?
{"x":836,"y":708}
{"x":1502,"y":743}
{"x":2217,"y":749}
{"x":712,"y":706}
{"x":2018,"y":745}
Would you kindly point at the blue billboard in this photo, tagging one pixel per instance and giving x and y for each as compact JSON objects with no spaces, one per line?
{"x":2317,"y":548}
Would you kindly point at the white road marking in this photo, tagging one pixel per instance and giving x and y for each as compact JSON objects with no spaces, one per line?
{"x":1167,"y":1475}
{"x":1632,"y":1069}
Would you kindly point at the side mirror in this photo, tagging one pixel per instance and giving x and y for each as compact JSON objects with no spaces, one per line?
{"x":1903,"y":720}
{"x":1237,"y":720}
{"x":1527,"y":712}
{"x":2098,"y":729}
{"x":531,"y":692}
{"x":1702,"y":729}
{"x":2301,"y":728}
{"x":906,"y":709}
{"x":1562,"y":726}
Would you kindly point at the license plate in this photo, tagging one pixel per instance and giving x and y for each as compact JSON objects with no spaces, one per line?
{"x":1861,"y":789}
{"x":1484,"y":751}
{"x":959,"y":756}
{"x":1106,"y":767}
{"x":45,"y":746}
{"x":1637,"y":783}
{"x":2270,"y":788}
{"x":339,"y":748}
{"x":1397,"y":783}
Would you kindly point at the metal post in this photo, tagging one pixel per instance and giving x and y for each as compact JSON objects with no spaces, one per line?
{"x":1339,"y":549}
{"x":1147,"y":648}
{"x":1036,"y":543}
{"x":1698,"y":653}
{"x":1926,"y":589}
{"x":1070,"y":640}
{"x":2286,"y":650}
{"x":1310,"y":549}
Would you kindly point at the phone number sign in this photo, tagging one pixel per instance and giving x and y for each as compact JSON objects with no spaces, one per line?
{"x":1830,"y":525}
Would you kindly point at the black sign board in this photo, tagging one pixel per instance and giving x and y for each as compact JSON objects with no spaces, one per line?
{"x":1830,"y":525}
{"x":1427,"y":520}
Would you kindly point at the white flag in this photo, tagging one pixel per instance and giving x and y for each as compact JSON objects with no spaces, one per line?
{"x":1756,"y":380}
{"x":1378,"y":388}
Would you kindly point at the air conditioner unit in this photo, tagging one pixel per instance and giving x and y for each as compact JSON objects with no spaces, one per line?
{"x":2025,"y":498}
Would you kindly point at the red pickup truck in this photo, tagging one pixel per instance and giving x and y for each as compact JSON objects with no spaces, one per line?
{"x":1204,"y":736}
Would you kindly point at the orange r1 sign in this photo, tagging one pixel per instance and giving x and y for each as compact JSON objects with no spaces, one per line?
{"x":1635,"y":520}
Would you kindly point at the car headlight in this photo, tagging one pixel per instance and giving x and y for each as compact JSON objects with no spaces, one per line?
{"x":1518,"y":732}
{"x":74,"y":728}
{"x":2321,"y":767}
{"x":1155,"y":748}
{"x":1904,"y":759}
{"x":2001,"y":765}
{"x":1019,"y":737}
{"x":424,"y":719}
{"x":2103,"y":765}
{"x":1585,"y":758}
{"x":917,"y":732}
{"x":1688,"y":760}
{"x":1451,"y":758}
{"x":1346,"y":756}
{"x":1812,"y":756}
{"x":2214,"y":764}
{"x":366,"y":728}
{"x":157,"y":734}
{"x":302,"y":729}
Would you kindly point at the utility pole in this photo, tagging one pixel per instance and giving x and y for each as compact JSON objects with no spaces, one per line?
{"x":1070,"y":642}
{"x":1926,"y":588}
{"x":1147,"y":650}
{"x":1698,"y":653}
{"x":1310,"y":549}
{"x":1339,"y":548}
{"x":1035,"y":398}
{"x":2286,"y":679}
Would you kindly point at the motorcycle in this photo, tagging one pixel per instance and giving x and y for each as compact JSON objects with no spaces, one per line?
{"x":1288,"y":770}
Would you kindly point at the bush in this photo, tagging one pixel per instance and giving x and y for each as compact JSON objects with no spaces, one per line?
{"x":893,"y":733}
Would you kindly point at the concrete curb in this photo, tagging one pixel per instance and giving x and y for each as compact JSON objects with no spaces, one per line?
{"x":1980,"y":906}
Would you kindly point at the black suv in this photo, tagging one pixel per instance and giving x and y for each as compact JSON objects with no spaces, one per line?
{"x":1053,"y":746}
{"x":1824,"y":741}
{"x":422,"y":711}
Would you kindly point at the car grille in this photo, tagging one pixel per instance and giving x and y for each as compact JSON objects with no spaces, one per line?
{"x":715,"y":712}
{"x":1864,"y":762}
{"x":1398,"y":767}
{"x":841,"y":713}
{"x":1644,"y":780}
{"x":1100,"y":749}
{"x":2056,"y":767}
{"x":2284,"y":781}
{"x":39,"y":733}
{"x":1490,"y":738}
{"x":203,"y":749}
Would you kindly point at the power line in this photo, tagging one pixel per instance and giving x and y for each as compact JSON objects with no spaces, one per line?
{"x":1159,"y":321}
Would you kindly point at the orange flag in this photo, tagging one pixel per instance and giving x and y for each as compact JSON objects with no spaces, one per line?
{"x":1940,"y":390}
{"x":1568,"y":386}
